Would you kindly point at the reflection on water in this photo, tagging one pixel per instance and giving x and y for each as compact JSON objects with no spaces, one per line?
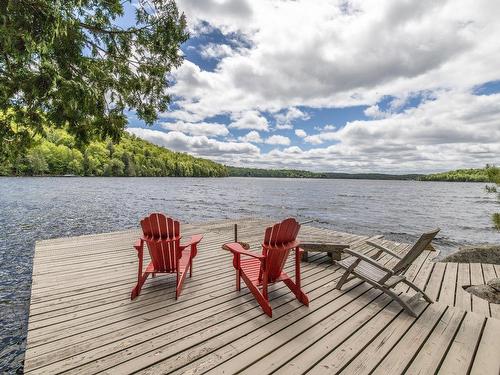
{"x":38,"y":208}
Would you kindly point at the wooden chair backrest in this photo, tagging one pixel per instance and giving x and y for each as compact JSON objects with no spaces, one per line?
{"x":417,"y":249}
{"x":162,"y":235}
{"x":278,"y":241}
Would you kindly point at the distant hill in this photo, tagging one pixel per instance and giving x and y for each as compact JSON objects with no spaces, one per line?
{"x":295,"y":173}
{"x":459,"y":175}
{"x":57,"y":154}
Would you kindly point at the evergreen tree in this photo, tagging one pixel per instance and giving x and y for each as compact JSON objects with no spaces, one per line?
{"x":73,"y":64}
{"x":111,"y":148}
{"x":129,"y":168}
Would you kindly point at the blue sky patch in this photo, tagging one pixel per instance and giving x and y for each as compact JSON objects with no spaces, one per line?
{"x":192,"y":49}
{"x":488,"y":88}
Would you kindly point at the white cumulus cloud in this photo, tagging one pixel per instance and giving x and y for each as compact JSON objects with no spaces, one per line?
{"x":252,"y":136}
{"x":250,"y":120}
{"x":285,"y":120}
{"x":324,"y":54}
{"x":278,"y":140}
{"x":216,"y":51}
{"x":197,"y":145}
{"x":202,"y":128}
{"x":300,"y":133}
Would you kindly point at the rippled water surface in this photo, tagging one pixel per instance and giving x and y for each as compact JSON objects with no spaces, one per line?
{"x":37,"y":208}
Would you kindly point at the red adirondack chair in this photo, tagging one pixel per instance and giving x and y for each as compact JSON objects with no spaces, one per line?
{"x":267,"y":268}
{"x":162,"y":236}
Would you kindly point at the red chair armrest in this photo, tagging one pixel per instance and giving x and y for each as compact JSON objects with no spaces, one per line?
{"x":139,"y":244}
{"x":193,"y":241}
{"x":236,"y":248}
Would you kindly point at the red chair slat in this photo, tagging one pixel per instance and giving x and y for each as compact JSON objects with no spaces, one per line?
{"x":163,"y":226}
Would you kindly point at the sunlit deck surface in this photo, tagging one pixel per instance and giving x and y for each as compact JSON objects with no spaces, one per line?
{"x":82,"y":320}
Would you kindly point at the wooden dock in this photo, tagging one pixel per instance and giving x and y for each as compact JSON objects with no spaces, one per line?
{"x":82,"y":320}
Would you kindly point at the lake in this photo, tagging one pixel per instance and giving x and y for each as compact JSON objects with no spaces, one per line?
{"x":39,"y":208}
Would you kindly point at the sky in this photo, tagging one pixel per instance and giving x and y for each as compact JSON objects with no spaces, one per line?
{"x":407,"y":86}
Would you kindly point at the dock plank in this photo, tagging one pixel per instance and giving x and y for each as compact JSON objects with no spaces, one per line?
{"x":461,"y":352}
{"x":404,"y":351}
{"x":449,"y":285}
{"x":435,"y":281}
{"x":463,"y":299}
{"x":479,"y":305}
{"x":487,"y":359}
{"x":429,"y":356}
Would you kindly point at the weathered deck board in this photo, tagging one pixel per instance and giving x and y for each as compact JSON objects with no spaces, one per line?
{"x":461,"y":352}
{"x":82,"y":320}
{"x":486,"y":360}
{"x":430,"y":354}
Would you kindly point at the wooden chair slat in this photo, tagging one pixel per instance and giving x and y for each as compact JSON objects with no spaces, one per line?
{"x":417,"y":249}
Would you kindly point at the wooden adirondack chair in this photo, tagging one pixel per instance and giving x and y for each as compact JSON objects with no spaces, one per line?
{"x":374,"y":273}
{"x":267,"y":268}
{"x":162,"y":236}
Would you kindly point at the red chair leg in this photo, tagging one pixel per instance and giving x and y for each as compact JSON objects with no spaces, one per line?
{"x":263,"y":302}
{"x":296,"y":287}
{"x":238,"y":280}
{"x":180,"y":280}
{"x":297,"y":266}
{"x":137,"y":289}
{"x":264,"y":287}
{"x":301,"y":296}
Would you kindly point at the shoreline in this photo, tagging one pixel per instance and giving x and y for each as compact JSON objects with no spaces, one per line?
{"x":259,"y":177}
{"x":481,"y":253}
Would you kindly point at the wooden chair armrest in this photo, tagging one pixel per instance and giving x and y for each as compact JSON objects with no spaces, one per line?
{"x":368,"y":260}
{"x":193,"y":241}
{"x":384,"y":249}
{"x":236,"y":248}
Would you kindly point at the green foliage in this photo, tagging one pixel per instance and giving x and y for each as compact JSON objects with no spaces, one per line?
{"x":37,"y":165}
{"x":115,"y":167}
{"x":496,"y":220}
{"x":459,"y":175}
{"x":493,"y":174}
{"x":258,"y":172}
{"x":494,"y":177}
{"x":295,"y":173}
{"x":132,"y":156}
{"x":71,"y":64}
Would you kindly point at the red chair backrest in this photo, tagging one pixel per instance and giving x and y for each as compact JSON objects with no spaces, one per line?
{"x":278,"y":241}
{"x":162,"y":235}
